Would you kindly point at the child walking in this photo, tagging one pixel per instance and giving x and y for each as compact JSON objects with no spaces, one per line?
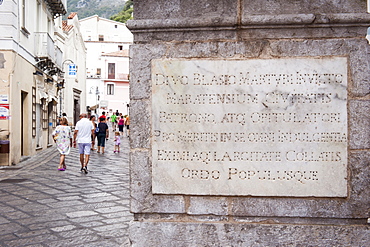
{"x":117,"y":141}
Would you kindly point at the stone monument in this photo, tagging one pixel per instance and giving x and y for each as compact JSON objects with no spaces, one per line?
{"x":250,"y":123}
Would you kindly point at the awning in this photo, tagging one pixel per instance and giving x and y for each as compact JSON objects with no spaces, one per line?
{"x":94,"y":107}
{"x":41,"y":95}
{"x":51,"y":98}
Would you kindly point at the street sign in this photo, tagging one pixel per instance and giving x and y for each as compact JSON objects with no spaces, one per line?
{"x":4,"y":111}
{"x":72,"y":70}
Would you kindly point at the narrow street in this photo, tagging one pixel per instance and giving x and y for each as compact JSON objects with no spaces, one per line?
{"x":41,"y":206}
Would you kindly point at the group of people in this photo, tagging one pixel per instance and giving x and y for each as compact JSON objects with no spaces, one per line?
{"x":84,"y":136}
{"x":117,"y":119}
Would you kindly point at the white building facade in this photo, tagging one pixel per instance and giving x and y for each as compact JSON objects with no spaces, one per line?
{"x":29,"y":68}
{"x":32,"y":62}
{"x":107,"y":64}
{"x":72,"y":96}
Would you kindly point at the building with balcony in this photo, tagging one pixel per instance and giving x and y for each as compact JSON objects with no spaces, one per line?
{"x":31,"y":60}
{"x":107,"y":64}
{"x":73,"y":91}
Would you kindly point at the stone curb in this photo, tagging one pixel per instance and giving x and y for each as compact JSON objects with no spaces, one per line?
{"x":30,"y":163}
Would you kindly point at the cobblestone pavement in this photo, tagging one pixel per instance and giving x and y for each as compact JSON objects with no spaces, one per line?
{"x":41,"y":206}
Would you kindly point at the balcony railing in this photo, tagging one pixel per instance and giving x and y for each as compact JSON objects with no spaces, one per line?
{"x":58,"y":57}
{"x":48,"y":56}
{"x":122,"y":76}
{"x":44,"y":46}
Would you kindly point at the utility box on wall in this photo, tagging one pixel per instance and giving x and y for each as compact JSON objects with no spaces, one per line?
{"x":250,"y":121}
{"x":4,"y":147}
{"x":4,"y":152}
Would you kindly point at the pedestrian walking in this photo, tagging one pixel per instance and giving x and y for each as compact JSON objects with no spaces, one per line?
{"x":83,"y":131}
{"x":103,"y":115}
{"x":93,"y":136}
{"x":117,"y":141}
{"x":64,"y":115}
{"x":127,"y":123}
{"x":113,"y":119}
{"x":121,"y":124}
{"x":62,"y":136}
{"x":103,"y":134}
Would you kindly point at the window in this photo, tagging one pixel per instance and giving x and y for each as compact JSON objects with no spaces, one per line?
{"x":110,"y":89}
{"x":101,"y":37}
{"x":24,"y":13}
{"x":120,"y":47}
{"x":98,"y":71}
{"x":50,"y":26}
{"x":115,"y":26}
{"x":38,"y":17}
{"x":33,"y":111}
{"x":44,"y":114}
{"x":111,"y":70}
{"x":54,"y":114}
{"x":24,"y":18}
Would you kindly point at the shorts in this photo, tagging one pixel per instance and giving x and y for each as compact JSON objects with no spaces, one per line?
{"x":84,"y":148}
{"x":127,"y":126}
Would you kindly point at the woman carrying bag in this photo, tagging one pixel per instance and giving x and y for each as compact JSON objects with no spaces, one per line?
{"x":62,"y":136}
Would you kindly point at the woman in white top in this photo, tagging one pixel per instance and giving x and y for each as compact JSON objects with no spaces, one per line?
{"x":62,"y":136}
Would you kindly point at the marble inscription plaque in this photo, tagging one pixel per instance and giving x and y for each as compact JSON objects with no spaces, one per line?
{"x":260,"y":127}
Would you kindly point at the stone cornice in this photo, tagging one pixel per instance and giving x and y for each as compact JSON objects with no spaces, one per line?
{"x":252,"y":21}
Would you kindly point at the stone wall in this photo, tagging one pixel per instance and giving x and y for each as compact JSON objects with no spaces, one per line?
{"x":248,"y":30}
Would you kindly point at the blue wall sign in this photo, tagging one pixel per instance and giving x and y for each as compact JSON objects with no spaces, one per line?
{"x":72,"y":69}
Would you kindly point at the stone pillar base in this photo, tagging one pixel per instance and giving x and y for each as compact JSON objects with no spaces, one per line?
{"x":219,"y":234}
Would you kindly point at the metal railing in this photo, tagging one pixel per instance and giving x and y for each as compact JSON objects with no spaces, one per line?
{"x":44,"y":46}
{"x":58,"y":57}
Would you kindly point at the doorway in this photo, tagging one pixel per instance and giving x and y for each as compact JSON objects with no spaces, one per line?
{"x":23,"y":123}
{"x":76,"y":105}
{"x":50,"y":122}
{"x":38,"y":126}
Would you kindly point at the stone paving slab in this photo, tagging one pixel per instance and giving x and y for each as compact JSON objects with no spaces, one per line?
{"x":41,"y":206}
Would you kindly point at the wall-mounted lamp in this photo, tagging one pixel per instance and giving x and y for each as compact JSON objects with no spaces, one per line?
{"x":96,"y":91}
{"x":60,"y":84}
{"x":38,"y":73}
{"x":48,"y":80}
{"x":52,"y":72}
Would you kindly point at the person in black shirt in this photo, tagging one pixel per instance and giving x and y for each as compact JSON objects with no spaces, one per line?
{"x":102,"y":134}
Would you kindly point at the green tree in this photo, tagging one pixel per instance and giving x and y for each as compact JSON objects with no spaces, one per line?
{"x":102,"y":8}
{"x":125,"y":14}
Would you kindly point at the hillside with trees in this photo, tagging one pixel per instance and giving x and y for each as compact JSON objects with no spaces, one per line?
{"x":103,"y":8}
{"x":125,"y":14}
